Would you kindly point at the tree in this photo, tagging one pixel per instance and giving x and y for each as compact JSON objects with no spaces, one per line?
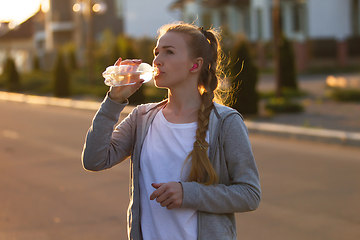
{"x":246,"y":79}
{"x":61,"y":78}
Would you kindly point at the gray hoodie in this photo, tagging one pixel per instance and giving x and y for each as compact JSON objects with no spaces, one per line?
{"x":230,"y":154}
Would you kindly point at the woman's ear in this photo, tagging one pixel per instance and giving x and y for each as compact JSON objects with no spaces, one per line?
{"x":197,"y":65}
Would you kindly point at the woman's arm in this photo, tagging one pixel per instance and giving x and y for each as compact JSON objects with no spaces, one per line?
{"x":244,"y":192}
{"x":105,"y":147}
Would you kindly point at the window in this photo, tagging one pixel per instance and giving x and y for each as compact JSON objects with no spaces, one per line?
{"x":355,"y":17}
{"x":259,"y":19}
{"x":297,"y":17}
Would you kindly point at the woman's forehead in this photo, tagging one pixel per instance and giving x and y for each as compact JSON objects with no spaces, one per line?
{"x":176,"y":40}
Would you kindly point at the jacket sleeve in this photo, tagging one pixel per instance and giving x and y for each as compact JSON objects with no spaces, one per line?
{"x":243,"y":194}
{"x":105,"y":147}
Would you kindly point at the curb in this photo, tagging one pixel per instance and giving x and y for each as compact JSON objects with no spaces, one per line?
{"x":282,"y":130}
{"x":312,"y":134}
{"x":53,"y":101}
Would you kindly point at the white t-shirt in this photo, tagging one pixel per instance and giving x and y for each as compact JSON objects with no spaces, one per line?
{"x":165,"y":149}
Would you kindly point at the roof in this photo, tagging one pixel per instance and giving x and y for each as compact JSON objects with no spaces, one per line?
{"x":25,"y":30}
{"x":210,"y":3}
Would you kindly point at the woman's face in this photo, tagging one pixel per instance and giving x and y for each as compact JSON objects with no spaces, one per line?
{"x":173,"y":61}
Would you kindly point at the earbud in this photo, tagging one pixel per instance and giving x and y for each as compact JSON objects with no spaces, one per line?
{"x":194,"y":67}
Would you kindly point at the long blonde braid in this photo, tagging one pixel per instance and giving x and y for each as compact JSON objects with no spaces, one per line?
{"x":203,"y":44}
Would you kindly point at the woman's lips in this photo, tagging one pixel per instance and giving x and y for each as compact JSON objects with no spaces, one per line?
{"x":159,"y":72}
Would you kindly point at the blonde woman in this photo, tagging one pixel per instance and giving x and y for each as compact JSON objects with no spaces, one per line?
{"x":192,"y":166}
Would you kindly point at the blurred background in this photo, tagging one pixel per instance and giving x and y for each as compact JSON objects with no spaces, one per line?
{"x":295,"y":69}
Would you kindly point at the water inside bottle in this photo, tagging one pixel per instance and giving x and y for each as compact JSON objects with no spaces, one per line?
{"x":118,"y":76}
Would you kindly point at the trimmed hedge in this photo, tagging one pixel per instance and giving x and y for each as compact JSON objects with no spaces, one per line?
{"x":346,"y":95}
{"x":283,"y":105}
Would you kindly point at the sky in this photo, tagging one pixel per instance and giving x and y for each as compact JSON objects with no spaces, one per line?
{"x":18,"y":10}
{"x":142,"y":17}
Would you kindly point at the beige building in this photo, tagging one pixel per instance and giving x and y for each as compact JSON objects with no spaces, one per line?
{"x":19,"y":42}
{"x":61,"y":23}
{"x":318,"y":29}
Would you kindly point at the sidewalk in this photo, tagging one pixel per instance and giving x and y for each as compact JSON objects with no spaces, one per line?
{"x":323,"y":119}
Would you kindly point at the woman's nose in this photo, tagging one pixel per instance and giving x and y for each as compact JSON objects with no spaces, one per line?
{"x":156,"y":61}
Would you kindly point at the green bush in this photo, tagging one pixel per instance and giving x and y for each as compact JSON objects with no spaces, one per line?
{"x":346,"y":95}
{"x":12,"y":76}
{"x":61,"y":78}
{"x":287,"y":74}
{"x":283,"y":105}
{"x":36,"y":82}
{"x":285,"y":92}
{"x":246,"y":79}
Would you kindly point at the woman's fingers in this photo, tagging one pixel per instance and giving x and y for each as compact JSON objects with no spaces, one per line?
{"x":169,"y":195}
{"x":131,"y":62}
{"x":117,"y":63}
{"x":120,"y":94}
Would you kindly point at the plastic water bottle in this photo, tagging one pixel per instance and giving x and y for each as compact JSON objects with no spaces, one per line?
{"x":121,"y":75}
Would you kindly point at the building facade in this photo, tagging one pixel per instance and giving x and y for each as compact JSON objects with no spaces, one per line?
{"x":58,"y":24}
{"x":302,"y":21}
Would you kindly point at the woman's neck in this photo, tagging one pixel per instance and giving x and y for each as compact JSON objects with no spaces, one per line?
{"x":182,"y":107}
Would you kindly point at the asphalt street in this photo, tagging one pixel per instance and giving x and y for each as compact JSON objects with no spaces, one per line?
{"x":310,"y":190}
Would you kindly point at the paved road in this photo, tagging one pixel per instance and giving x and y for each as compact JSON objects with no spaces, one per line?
{"x":310,"y":190}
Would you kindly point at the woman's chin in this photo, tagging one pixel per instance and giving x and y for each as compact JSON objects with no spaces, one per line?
{"x":158,"y":83}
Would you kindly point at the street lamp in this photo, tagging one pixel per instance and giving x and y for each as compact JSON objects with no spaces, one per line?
{"x":97,"y":7}
{"x":88,"y":8}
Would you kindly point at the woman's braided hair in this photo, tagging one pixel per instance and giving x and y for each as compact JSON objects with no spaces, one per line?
{"x":205,"y":44}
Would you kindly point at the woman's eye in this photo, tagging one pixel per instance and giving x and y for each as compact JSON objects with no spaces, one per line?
{"x":169,"y":52}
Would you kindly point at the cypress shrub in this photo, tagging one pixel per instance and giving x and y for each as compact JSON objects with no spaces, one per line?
{"x":73,"y":65}
{"x":245,"y":81}
{"x":288,"y":78}
{"x":36,"y":64}
{"x":61,"y":78}
{"x":283,"y":105}
{"x":12,"y":76}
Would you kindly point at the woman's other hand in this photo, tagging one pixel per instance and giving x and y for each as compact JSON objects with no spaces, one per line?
{"x":169,"y":194}
{"x":121,"y":93}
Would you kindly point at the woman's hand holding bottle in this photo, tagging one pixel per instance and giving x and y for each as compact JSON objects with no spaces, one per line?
{"x":119,"y":94}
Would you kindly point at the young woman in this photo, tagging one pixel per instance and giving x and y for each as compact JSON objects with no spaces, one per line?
{"x":192,"y":165}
